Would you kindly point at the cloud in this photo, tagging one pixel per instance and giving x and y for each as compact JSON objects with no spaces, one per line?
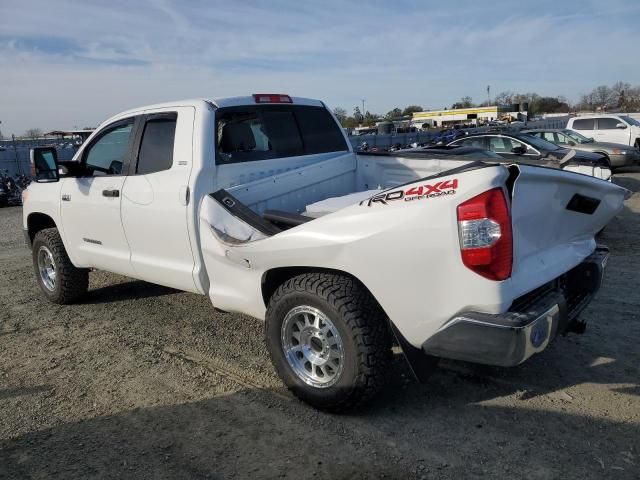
{"x":75,"y":63}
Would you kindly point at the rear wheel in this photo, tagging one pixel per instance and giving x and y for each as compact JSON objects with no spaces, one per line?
{"x":328,"y":340}
{"x":57,"y":277}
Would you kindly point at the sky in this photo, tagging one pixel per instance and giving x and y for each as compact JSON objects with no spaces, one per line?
{"x":66,"y":64}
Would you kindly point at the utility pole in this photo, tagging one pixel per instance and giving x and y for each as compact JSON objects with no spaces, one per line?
{"x":489,"y":94}
{"x":363,"y":107}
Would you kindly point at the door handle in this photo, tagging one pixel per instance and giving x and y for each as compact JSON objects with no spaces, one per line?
{"x":110,"y":193}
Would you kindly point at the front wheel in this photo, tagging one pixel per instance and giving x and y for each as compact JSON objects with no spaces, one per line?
{"x":57,"y":277}
{"x":328,"y":340}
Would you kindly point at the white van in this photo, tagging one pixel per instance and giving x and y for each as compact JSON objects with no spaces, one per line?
{"x":608,"y":128}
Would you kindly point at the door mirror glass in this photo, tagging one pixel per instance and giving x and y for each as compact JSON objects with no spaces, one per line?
{"x":519,"y":150}
{"x":621,"y":126}
{"x":44,"y":164}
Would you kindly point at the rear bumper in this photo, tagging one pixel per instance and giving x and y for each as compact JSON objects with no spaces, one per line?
{"x":532,"y":322}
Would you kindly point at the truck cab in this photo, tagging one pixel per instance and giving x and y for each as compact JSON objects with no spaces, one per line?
{"x":621,"y":129}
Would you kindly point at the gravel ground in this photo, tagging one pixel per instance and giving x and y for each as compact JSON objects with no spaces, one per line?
{"x":141,"y":381}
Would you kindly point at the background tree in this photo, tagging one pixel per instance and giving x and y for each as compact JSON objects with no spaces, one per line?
{"x":464,"y":102}
{"x":357,"y":115}
{"x":603,"y":96}
{"x":412,"y":109}
{"x":392,"y":114}
{"x":370,"y":119}
{"x":341,"y":114}
{"x":618,"y":91}
{"x":33,"y":133}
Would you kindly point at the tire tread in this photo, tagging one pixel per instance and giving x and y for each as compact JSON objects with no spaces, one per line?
{"x":73,"y":281}
{"x":363,"y":317}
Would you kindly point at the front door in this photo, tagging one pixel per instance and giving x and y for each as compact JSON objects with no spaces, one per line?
{"x":609,"y":132}
{"x":90,"y":204}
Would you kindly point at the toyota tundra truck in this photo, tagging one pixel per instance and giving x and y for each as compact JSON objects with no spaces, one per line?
{"x":261,"y":203}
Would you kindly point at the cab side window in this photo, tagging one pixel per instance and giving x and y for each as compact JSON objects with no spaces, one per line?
{"x":108,"y":153}
{"x":478,"y":142}
{"x":549,"y":137}
{"x":584,"y":124}
{"x":156,"y":146}
{"x":607,"y":123}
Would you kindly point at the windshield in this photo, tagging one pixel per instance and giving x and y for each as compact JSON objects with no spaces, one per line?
{"x":539,"y":143}
{"x":578,"y":137}
{"x":630,"y":121}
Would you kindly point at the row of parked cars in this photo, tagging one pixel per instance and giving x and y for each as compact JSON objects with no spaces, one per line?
{"x":567,"y":148}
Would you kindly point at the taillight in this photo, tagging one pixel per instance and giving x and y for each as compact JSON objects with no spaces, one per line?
{"x":484,"y":227}
{"x":271,"y":98}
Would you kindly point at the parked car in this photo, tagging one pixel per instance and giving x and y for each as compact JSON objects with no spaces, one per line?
{"x":451,"y":150}
{"x":619,"y":155}
{"x":455,"y":258}
{"x":612,"y":128}
{"x":521,"y":147}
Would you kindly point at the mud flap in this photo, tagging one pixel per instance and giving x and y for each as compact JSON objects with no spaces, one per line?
{"x":420,"y":364}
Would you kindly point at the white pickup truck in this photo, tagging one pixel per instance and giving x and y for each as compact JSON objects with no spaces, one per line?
{"x":260,"y":203}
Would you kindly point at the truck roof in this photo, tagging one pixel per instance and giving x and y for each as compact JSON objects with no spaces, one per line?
{"x":216,"y":102}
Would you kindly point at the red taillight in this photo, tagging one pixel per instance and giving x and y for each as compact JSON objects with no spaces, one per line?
{"x":271,"y":98}
{"x":484,"y":227}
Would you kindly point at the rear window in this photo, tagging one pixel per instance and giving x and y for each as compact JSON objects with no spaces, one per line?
{"x":251,"y":133}
{"x":156,"y":148}
{"x":584,"y":124}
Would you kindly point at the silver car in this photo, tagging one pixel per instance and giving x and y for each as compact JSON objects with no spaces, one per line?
{"x":619,"y":155}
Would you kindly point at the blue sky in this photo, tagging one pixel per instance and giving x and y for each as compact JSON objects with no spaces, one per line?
{"x":66,"y":64}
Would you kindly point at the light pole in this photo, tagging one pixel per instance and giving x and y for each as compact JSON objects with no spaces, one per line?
{"x":363,"y":107}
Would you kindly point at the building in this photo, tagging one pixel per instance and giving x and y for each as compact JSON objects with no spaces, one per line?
{"x":469,"y":116}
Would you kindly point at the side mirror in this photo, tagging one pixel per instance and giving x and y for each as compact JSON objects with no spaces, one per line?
{"x":572,"y":143}
{"x":44,"y":164}
{"x":621,"y":126}
{"x":520,"y":150}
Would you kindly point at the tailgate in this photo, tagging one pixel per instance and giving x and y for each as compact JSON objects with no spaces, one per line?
{"x":555,"y":216}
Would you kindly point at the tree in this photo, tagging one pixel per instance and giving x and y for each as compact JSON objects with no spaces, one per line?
{"x":504,"y":98}
{"x":341,"y":114}
{"x":464,"y":102}
{"x":395,"y":113}
{"x":549,"y":105}
{"x":412,"y":109}
{"x":357,"y":114}
{"x":370,"y":119}
{"x":603,"y":96}
{"x":33,"y":133}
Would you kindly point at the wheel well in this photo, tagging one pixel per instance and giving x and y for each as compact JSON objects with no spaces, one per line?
{"x":37,"y":222}
{"x":603,"y":154}
{"x":275,"y":277}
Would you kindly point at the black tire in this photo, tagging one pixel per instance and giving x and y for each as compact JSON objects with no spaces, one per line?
{"x":362,"y":328}
{"x":70,"y":283}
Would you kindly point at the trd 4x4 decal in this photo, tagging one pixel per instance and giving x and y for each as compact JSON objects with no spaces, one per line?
{"x":446,"y":187}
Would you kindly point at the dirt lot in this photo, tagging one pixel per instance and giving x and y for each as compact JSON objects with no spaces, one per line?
{"x":141,"y":381}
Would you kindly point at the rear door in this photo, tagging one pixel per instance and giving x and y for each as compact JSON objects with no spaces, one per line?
{"x":90,"y":206}
{"x":155,"y":199}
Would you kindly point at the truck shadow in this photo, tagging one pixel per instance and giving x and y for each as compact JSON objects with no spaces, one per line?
{"x":128,"y":290}
{"x":250,"y":434}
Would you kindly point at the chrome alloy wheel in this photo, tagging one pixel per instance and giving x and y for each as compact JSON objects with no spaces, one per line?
{"x":312,"y":346}
{"x":47,"y":268}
